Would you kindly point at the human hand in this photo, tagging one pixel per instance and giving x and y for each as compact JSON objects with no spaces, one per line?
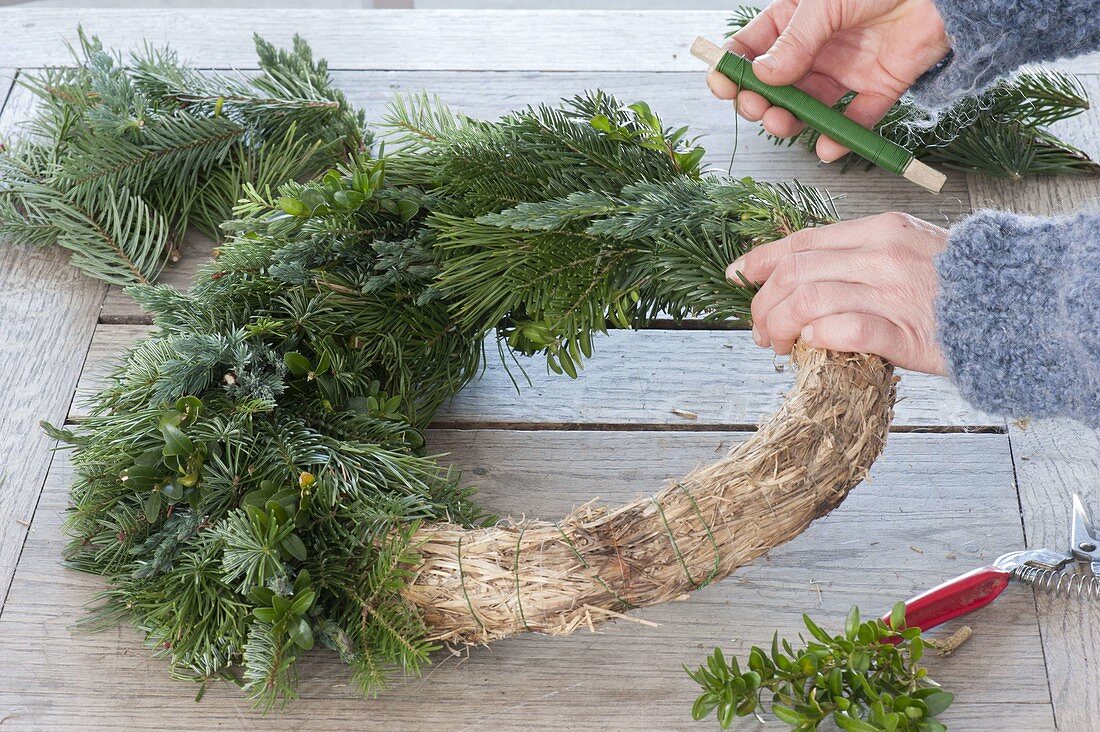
{"x":867,"y":285}
{"x":876,"y":48}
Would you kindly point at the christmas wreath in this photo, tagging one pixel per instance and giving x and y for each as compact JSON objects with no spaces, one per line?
{"x":255,"y":480}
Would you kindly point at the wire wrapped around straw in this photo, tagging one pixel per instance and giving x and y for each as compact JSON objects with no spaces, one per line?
{"x":478,"y":585}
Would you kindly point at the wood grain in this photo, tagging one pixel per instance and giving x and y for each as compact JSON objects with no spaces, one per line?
{"x":497,"y":40}
{"x":49,"y":312}
{"x":937,"y":505}
{"x":635,"y":379}
{"x":1055,"y":459}
{"x":381,"y":39}
{"x":1043,"y":196}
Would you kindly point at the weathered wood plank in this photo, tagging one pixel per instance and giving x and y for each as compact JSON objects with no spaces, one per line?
{"x":1054,"y":459}
{"x":350,"y":39}
{"x":634,"y":378}
{"x":680,"y":98}
{"x":938,"y":504}
{"x":525,"y":40}
{"x":49,"y":312}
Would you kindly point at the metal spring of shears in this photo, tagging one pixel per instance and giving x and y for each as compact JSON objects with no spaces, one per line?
{"x":1039,"y":568}
{"x":1059,"y":584}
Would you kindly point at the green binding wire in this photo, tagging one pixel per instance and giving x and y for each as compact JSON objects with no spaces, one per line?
{"x":823,"y":118}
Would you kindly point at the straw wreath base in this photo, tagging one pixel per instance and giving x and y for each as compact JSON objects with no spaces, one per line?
{"x":478,"y":585}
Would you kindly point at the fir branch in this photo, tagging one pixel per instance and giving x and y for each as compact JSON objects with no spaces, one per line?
{"x":121,"y":159}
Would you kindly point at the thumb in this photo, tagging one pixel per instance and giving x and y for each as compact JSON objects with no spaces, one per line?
{"x":791,"y":56}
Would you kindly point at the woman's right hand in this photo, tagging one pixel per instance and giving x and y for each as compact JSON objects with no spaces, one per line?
{"x":876,"y":48}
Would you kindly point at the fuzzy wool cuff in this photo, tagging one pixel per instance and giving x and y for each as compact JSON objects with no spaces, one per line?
{"x":991,"y":39}
{"x":1019,"y":314}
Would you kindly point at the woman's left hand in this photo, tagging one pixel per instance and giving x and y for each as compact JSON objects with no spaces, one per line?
{"x":867,"y":285}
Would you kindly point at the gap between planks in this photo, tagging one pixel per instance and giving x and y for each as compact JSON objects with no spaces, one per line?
{"x":636,"y":380}
{"x":49,"y":311}
{"x":7,"y":82}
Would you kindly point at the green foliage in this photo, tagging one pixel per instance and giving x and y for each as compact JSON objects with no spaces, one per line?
{"x":867,"y":679}
{"x":251,"y":479}
{"x":266,"y":443}
{"x":122,"y":158}
{"x":1001,"y":132}
{"x":553,"y":224}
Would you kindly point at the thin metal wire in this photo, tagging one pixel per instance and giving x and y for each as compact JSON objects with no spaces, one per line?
{"x":675,"y":546}
{"x":462,"y":579}
{"x":515,"y":569}
{"x":577,"y":554}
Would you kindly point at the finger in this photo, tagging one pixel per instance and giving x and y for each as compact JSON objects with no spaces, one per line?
{"x":760,"y":33}
{"x":720,"y":85}
{"x":757,"y":264}
{"x":866,"y":109}
{"x":781,"y":123}
{"x":752,"y":106}
{"x":737,"y":45}
{"x":822,"y":87}
{"x":803,"y":268}
{"x":806,"y":303}
{"x":857,"y":333}
{"x":792,"y":55}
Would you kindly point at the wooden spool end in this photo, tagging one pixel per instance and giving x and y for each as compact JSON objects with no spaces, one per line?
{"x":704,"y":50}
{"x":924,"y":176}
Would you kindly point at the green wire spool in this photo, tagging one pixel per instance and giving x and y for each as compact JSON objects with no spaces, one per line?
{"x":823,"y":118}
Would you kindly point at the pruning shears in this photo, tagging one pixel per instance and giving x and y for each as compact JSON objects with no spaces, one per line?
{"x":1075,"y":572}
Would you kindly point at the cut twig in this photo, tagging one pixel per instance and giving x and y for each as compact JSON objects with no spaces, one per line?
{"x":948,"y":645}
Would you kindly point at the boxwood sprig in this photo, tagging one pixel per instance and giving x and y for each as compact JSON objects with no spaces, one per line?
{"x":867,"y":679}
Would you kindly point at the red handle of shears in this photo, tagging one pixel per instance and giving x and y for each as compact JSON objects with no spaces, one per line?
{"x":953,"y":598}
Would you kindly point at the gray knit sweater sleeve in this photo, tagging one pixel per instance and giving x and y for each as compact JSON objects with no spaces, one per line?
{"x":1019,"y":314}
{"x":990,"y":38}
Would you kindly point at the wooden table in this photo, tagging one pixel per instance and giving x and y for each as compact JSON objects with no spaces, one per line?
{"x":954,"y":489}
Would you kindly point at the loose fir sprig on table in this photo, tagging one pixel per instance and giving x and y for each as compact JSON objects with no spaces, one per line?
{"x":121,"y":158}
{"x":1002,"y":132}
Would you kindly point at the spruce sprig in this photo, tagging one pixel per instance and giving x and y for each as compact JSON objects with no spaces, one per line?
{"x":867,"y":679}
{"x":122,"y":157}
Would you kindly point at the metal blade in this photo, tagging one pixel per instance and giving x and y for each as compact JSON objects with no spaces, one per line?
{"x":1085,"y":545}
